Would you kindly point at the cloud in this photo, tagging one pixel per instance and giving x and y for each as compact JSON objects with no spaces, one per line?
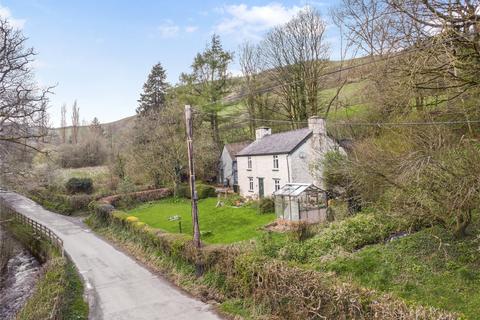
{"x":168,"y":29}
{"x":252,"y":21}
{"x":5,"y":13}
{"x":190,"y":29}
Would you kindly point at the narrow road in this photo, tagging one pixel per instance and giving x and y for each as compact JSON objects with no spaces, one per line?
{"x":117,"y":286}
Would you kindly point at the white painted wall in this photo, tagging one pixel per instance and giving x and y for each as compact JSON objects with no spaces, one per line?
{"x":226,"y":164}
{"x":300,"y":164}
{"x":262,"y":167}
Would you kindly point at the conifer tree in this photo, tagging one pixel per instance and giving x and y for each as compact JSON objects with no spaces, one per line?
{"x":209,"y":81}
{"x":154,"y":91}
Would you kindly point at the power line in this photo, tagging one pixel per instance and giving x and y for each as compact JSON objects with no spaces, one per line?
{"x":270,"y":88}
{"x":429,"y":123}
{"x":250,"y":119}
{"x":344,"y":123}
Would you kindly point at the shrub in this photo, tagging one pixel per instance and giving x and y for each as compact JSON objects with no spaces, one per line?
{"x":183,"y":191}
{"x":347,"y":235}
{"x":79,"y":185}
{"x":86,"y":154}
{"x":234,"y":200}
{"x":139,"y":196}
{"x":266,"y":205}
{"x":80,"y":201}
{"x":52,"y":201}
{"x":132,"y":219}
{"x":203,"y":191}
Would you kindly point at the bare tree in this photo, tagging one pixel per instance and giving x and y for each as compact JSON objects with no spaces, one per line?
{"x":159,"y":151}
{"x":75,"y":122}
{"x":432,"y":46}
{"x":251,"y":67}
{"x":23,"y":103}
{"x":63,"y":123}
{"x":294,"y":56}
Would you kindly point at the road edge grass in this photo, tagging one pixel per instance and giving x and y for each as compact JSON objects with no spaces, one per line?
{"x":245,"y":284}
{"x":59,"y":291}
{"x":207,"y":288}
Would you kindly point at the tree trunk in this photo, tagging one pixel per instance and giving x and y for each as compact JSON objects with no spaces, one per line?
{"x":214,"y":127}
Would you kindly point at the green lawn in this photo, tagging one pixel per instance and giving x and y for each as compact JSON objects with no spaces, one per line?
{"x":225,"y":224}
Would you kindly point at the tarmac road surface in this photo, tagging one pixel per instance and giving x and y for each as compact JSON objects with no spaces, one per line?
{"x":117,"y":286}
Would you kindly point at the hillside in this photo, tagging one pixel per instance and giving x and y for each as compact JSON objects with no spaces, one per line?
{"x":118,"y":129}
{"x":350,"y":99}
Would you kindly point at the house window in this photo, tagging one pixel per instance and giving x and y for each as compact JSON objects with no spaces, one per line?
{"x":275,"y":162}
{"x":250,"y":184}
{"x":249,"y":163}
{"x":277,"y":184}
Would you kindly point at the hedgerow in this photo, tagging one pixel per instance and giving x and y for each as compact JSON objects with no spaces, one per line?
{"x":283,"y":290}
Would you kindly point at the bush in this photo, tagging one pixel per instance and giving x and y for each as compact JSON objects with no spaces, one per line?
{"x":234,"y":200}
{"x":347,"y":235}
{"x":86,"y":154}
{"x":52,"y":201}
{"x":266,"y":205}
{"x":139,"y":196}
{"x":80,"y":201}
{"x":79,"y":185}
{"x":203,"y":191}
{"x":183,"y":191}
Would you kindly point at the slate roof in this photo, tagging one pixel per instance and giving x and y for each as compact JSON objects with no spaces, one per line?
{"x":234,"y":148}
{"x":278,"y":143}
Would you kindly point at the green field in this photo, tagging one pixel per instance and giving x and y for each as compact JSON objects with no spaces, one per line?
{"x":219,"y":225}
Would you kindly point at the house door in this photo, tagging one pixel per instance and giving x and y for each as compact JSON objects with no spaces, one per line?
{"x":261,"y":188}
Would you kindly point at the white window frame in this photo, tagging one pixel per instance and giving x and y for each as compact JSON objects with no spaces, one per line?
{"x":276,"y":185}
{"x":249,"y":163}
{"x":250,"y":184}
{"x":275,"y":162}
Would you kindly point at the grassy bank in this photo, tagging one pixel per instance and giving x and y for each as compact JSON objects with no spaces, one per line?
{"x":58,"y":293}
{"x":429,"y":267}
{"x":224,"y":224}
{"x":174,"y":267}
{"x":247,"y":282}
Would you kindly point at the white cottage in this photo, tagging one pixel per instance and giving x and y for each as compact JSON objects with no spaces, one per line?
{"x":227,"y":165}
{"x":273,"y":160}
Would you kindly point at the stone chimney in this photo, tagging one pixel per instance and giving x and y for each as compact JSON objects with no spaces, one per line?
{"x":318,"y":148}
{"x":317,"y":125}
{"x":262,"y":132}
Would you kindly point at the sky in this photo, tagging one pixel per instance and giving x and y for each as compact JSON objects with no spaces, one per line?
{"x":100,"y":52}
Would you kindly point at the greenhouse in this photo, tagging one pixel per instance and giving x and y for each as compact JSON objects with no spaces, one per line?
{"x":301,"y":202}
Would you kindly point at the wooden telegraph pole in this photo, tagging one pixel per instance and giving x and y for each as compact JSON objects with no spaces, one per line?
{"x":191,"y":165}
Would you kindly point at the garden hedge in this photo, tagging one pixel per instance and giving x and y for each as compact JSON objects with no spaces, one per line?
{"x":139,"y":196}
{"x":79,"y":185}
